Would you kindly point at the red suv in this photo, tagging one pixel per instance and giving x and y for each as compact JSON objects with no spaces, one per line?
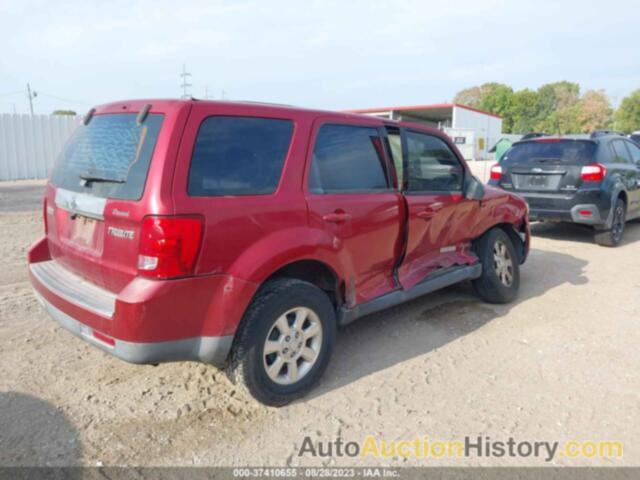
{"x":243,"y":234}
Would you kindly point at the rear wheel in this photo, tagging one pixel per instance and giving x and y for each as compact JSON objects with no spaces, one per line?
{"x":613,"y":236}
{"x":500,"y":279}
{"x":284,"y":343}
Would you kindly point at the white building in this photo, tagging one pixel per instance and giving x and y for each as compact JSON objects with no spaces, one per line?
{"x":473,"y":131}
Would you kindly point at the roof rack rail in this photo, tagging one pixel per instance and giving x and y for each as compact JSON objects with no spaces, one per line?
{"x":602,"y":133}
{"x":529,"y":135}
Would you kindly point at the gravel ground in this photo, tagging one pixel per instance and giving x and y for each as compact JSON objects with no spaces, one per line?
{"x":561,"y":363}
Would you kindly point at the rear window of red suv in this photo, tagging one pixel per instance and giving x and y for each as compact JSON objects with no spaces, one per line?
{"x":239,"y":156}
{"x":109,"y":157}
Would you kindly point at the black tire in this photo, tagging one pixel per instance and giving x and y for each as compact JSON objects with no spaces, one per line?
{"x":491,"y":286}
{"x":247,"y":365}
{"x":613,"y":236}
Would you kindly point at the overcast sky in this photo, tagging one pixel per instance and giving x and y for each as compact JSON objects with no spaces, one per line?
{"x":337,"y":55}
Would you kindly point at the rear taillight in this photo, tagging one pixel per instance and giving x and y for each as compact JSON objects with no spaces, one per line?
{"x":593,"y":173}
{"x":496,"y":172}
{"x":169,"y":246}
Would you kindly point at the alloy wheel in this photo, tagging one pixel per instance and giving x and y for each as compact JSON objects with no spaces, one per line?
{"x":292,"y":346}
{"x":503,"y":263}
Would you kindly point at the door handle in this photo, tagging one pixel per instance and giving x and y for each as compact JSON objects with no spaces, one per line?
{"x":336,"y":217}
{"x":431,"y":210}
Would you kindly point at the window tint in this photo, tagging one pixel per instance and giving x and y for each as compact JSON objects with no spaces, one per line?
{"x":113,"y":148}
{"x":433,"y":167}
{"x":578,"y":152}
{"x":635,"y":152}
{"x":620,"y":153}
{"x":347,"y":158}
{"x":239,"y":156}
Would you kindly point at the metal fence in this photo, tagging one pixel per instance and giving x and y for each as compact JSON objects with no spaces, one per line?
{"x":30,"y":144}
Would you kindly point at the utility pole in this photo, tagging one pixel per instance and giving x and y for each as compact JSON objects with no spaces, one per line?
{"x":223,"y":94}
{"x":31,"y":97}
{"x":184,"y":85}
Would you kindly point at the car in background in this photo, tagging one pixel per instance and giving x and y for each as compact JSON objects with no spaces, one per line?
{"x":635,"y":136}
{"x":591,"y":180}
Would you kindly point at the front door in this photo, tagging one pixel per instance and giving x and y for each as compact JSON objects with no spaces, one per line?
{"x":433,"y":188}
{"x":351,"y":196}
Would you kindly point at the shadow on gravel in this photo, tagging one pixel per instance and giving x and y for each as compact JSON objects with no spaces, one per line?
{"x":580,"y":233}
{"x":35,"y":433}
{"x":381,"y":340}
{"x":16,"y":197}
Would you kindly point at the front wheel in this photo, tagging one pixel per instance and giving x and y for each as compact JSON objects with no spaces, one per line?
{"x":500,"y":279}
{"x":284,"y":342}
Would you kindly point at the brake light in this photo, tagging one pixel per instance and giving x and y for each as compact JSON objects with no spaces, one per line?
{"x":169,"y":246}
{"x":496,"y":172}
{"x":593,"y":173}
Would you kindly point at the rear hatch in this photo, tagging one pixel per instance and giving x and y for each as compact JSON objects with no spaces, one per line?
{"x":93,"y":209}
{"x":546,"y":165}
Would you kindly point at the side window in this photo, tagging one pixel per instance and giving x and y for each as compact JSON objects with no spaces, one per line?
{"x":348,"y":158}
{"x":620,"y":152}
{"x":433,"y":167}
{"x":238,"y":156}
{"x":635,"y":152}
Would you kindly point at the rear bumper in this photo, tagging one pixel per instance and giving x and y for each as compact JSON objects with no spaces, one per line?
{"x":587,"y":214}
{"x":211,"y":350}
{"x":588,"y":207}
{"x":148,"y":321}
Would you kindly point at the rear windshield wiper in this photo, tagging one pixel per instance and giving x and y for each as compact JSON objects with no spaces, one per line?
{"x":86,"y":179}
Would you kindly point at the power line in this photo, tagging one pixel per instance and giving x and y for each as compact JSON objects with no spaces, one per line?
{"x":11,"y":93}
{"x":63,"y":99}
{"x":184,"y":85}
{"x":31,"y":95}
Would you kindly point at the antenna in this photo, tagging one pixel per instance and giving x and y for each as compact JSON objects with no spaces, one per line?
{"x":184,"y":85}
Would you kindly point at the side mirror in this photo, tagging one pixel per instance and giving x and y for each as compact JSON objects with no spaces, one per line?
{"x":473,"y":189}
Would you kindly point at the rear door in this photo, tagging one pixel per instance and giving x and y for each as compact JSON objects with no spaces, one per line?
{"x":546,"y":165}
{"x":93,"y":207}
{"x":350,"y":194}
{"x":433,"y":182}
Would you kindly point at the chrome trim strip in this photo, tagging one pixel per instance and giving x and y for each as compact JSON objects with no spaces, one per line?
{"x":74,"y":289}
{"x":81,"y":203}
{"x":213,"y":350}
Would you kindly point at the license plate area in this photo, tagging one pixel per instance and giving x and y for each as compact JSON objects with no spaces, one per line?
{"x":84,"y":233}
{"x":537,"y":182}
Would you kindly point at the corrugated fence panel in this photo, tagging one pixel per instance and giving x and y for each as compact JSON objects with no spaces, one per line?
{"x":29,"y":144}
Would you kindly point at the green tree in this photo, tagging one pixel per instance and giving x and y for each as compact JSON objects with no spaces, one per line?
{"x":594,"y":111}
{"x":628,"y":113}
{"x":524,"y":111}
{"x":469,"y":96}
{"x":64,"y":112}
{"x":556,"y":113}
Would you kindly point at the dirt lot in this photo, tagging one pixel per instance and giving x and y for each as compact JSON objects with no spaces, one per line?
{"x":562,"y":363}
